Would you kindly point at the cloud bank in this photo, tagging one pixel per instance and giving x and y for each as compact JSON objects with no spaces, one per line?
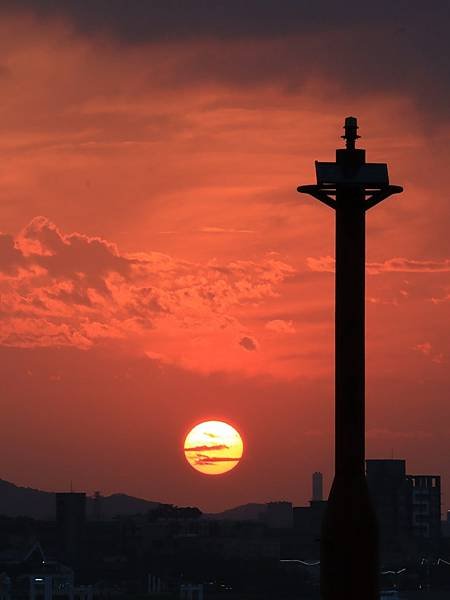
{"x":388,"y":46}
{"x":62,"y":289}
{"x":326,"y":264}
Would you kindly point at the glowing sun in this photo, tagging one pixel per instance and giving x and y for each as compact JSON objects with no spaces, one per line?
{"x":213,"y":447}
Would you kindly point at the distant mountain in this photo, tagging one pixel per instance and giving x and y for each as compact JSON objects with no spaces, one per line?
{"x":16,"y":501}
{"x":246,"y":512}
{"x":121,"y":504}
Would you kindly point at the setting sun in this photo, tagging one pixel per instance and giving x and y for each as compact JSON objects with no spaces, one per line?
{"x":213,"y":447}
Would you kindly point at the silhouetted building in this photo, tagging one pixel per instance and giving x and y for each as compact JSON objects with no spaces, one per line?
{"x":70,"y":522}
{"x":317,"y":487}
{"x":307,"y":526}
{"x":426,"y":506}
{"x":445,"y":526}
{"x":97,"y":508}
{"x":390,"y":492}
{"x":408,"y":507}
{"x":279,"y":515}
{"x":27,"y":573}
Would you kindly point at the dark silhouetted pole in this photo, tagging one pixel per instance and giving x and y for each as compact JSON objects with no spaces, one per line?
{"x":349,"y":539}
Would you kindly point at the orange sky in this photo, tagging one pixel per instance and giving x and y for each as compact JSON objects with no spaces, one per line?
{"x":158,"y":267}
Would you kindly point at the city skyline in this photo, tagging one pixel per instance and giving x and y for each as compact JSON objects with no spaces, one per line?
{"x":383,"y":477}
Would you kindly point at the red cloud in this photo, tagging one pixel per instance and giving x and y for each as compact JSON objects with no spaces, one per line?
{"x":326,"y":264}
{"x":74,"y":290}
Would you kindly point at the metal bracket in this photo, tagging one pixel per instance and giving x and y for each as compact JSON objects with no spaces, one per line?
{"x":374,"y":197}
{"x":382,"y":194}
{"x":316,"y":192}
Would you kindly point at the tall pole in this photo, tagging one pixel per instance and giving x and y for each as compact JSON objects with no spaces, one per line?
{"x":349,"y":331}
{"x":349,"y":538}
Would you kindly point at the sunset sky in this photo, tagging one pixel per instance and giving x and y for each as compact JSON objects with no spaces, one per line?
{"x":158,"y":267}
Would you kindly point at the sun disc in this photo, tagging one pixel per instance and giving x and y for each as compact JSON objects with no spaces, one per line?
{"x":213,"y":447}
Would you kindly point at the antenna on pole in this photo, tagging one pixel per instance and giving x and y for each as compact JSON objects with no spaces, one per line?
{"x":351,"y":135}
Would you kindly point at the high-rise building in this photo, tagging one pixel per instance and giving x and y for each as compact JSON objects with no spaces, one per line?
{"x":70,"y":522}
{"x":317,"y":487}
{"x":445,"y":526}
{"x":426,"y":506}
{"x":408,"y":507}
{"x":390,"y":493}
{"x":307,"y":525}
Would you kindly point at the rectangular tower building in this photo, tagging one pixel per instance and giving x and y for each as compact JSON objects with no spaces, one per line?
{"x":426,"y":506}
{"x":391,"y":496}
{"x":317,"y":487}
{"x":70,"y":522}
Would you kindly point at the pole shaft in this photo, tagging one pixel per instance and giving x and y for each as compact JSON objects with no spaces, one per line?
{"x":349,"y":546}
{"x":349,"y":332}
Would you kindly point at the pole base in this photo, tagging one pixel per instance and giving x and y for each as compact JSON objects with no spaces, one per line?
{"x":349,"y":560}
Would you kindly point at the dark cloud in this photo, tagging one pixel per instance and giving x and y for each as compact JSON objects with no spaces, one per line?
{"x":248,"y":344}
{"x":11,"y":258}
{"x":206,"y":448}
{"x":175,"y":19}
{"x":72,"y":254}
{"x":203,"y":459}
{"x":369,"y":48}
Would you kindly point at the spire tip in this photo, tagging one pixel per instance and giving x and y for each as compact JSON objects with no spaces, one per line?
{"x":351,"y":132}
